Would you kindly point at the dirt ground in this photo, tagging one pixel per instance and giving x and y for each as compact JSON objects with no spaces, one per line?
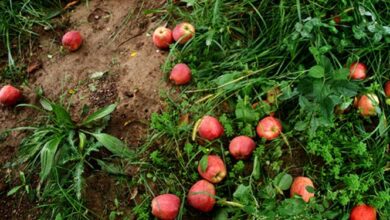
{"x":117,"y":63}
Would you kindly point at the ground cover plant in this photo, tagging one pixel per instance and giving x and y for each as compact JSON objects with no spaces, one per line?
{"x":302,"y":63}
{"x":276,"y":110}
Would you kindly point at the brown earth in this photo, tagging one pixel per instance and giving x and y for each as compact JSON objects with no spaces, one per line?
{"x":117,"y":63}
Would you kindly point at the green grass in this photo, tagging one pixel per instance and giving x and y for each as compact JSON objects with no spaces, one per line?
{"x":244,"y":49}
{"x":17,"y":21}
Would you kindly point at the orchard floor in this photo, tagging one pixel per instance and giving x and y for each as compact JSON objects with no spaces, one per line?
{"x":117,"y":63}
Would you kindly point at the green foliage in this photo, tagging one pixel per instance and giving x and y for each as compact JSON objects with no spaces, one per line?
{"x":63,"y":149}
{"x":244,"y":49}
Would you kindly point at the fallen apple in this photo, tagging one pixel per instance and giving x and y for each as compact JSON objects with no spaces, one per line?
{"x":202,"y":196}
{"x":180,"y":74}
{"x":10,"y":95}
{"x":210,"y":128}
{"x":363,"y":212}
{"x":72,"y":40}
{"x":387,"y":88}
{"x":269,"y":128}
{"x":358,"y":71}
{"x":215,"y":171}
{"x":166,"y":206}
{"x":367,"y":104}
{"x":162,"y":37}
{"x":183,"y":32}
{"x":241,"y":147}
{"x":299,"y":187}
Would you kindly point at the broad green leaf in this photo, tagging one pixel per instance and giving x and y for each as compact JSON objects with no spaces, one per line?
{"x":14,"y":190}
{"x":47,"y":156}
{"x":114,"y":145}
{"x":204,"y":163}
{"x":244,"y":112}
{"x":222,"y":214}
{"x":46,"y":104}
{"x":243,"y":194}
{"x":58,"y":216}
{"x":317,"y":72}
{"x":62,"y":116}
{"x":101,"y":113}
{"x":283,"y":181}
{"x":82,"y":140}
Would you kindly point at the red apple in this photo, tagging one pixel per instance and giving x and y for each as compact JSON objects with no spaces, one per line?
{"x":210,"y":128}
{"x":183,"y":32}
{"x":166,"y":206}
{"x":367,"y":104}
{"x":202,"y":196}
{"x":269,"y":128}
{"x":215,"y":171}
{"x":298,"y":187}
{"x":180,"y":74}
{"x":387,"y":88}
{"x":358,"y":71}
{"x":162,"y":37}
{"x":10,"y":95}
{"x":337,"y":19}
{"x":72,"y":40}
{"x":241,"y":147}
{"x":363,"y":212}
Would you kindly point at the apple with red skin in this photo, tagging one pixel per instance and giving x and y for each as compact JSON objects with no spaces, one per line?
{"x":358,"y":71}
{"x":298,"y":187}
{"x":242,"y":147}
{"x":210,"y":128}
{"x":166,"y":206}
{"x":215,"y":171}
{"x":180,"y":74}
{"x":162,"y":37}
{"x":72,"y":40}
{"x":367,"y":104}
{"x":387,"y":88}
{"x":363,"y":212}
{"x":202,"y":196}
{"x":10,"y":95}
{"x":183,"y":32}
{"x":269,"y":128}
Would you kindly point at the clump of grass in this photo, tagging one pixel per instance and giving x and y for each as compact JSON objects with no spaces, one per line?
{"x":61,"y":149}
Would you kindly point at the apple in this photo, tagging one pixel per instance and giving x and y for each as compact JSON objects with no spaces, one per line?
{"x":10,"y":95}
{"x":215,"y":171}
{"x":166,"y":206}
{"x":298,"y":187}
{"x":272,"y":95}
{"x":72,"y":40}
{"x":162,"y":37}
{"x":358,"y":71}
{"x":363,"y":212}
{"x":210,"y":128}
{"x":202,"y":196}
{"x":387,"y":88}
{"x":241,"y":147}
{"x":180,"y":74}
{"x":367,"y":104}
{"x":269,"y":128}
{"x":183,"y":32}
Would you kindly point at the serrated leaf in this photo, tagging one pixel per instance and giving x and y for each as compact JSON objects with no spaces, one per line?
{"x":114,"y":145}
{"x":317,"y":72}
{"x":243,"y":193}
{"x":78,"y":179}
{"x":101,"y":113}
{"x":204,"y":163}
